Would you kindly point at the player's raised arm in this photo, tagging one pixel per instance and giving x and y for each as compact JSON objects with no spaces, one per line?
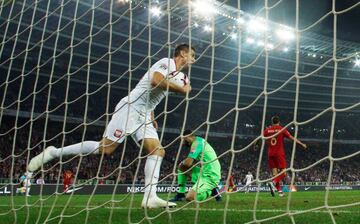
{"x":158,"y":80}
{"x":298,"y":141}
{"x":288,"y":135}
{"x":257,"y":144}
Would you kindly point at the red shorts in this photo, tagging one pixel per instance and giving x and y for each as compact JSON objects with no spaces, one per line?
{"x":277,"y":161}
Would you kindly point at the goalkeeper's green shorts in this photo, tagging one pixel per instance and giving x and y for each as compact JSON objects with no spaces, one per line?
{"x":204,"y":186}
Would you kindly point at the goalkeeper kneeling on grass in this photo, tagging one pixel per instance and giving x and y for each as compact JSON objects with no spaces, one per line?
{"x":205,"y":185}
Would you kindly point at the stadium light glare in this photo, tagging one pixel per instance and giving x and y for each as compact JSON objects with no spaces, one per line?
{"x":250,"y":40}
{"x":260,"y":43}
{"x":196,"y":25}
{"x":207,"y":28}
{"x":285,"y":35}
{"x":155,"y":11}
{"x":285,"y":49}
{"x":269,"y":46}
{"x":314,"y":55}
{"x":233,"y":36}
{"x":204,"y":8}
{"x":256,"y":25}
{"x":240,"y":20}
{"x":357,"y":62}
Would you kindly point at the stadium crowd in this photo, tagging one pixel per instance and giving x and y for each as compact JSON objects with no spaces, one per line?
{"x":13,"y":157}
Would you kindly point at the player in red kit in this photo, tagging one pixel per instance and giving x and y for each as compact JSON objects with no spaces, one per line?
{"x":68,"y":176}
{"x":232,"y":185}
{"x":276,"y":154}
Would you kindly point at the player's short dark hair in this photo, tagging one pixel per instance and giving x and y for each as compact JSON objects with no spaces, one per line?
{"x":182,"y":47}
{"x":275,"y":120}
{"x":188,"y":132}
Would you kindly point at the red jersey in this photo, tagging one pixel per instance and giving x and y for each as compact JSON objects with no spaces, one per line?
{"x":68,"y":175}
{"x":276,"y":143}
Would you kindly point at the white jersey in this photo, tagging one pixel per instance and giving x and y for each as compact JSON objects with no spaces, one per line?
{"x":143,"y":97}
{"x":249,"y":178}
{"x":25,"y":182}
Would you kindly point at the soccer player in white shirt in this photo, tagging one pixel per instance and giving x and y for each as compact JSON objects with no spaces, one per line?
{"x":139,"y":105}
{"x":249,"y":177}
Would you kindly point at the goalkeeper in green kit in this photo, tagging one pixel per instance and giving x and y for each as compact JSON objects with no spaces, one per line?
{"x":206,"y":180}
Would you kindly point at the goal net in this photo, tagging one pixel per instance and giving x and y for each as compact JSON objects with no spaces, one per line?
{"x":65,"y":64}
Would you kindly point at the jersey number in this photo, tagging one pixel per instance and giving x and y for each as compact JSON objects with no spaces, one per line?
{"x":273,"y":141}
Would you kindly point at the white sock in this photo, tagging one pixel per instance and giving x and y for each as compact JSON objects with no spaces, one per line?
{"x":27,"y":191}
{"x":152,"y":172}
{"x":76,"y":149}
{"x":27,"y":184}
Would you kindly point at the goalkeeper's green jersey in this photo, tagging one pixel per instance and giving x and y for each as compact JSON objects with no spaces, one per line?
{"x":210,"y":163}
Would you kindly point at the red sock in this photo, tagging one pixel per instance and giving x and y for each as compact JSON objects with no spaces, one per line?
{"x":278,"y":187}
{"x":277,"y":181}
{"x":279,"y":178}
{"x":231,"y":181}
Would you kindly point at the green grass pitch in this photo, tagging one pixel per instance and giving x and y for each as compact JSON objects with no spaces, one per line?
{"x":99,"y":209}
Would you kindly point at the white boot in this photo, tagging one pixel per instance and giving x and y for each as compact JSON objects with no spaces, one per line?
{"x":156,"y":202}
{"x":42,"y":158}
{"x":28,"y":192}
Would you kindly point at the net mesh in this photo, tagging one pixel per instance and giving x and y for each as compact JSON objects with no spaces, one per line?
{"x":65,"y":64}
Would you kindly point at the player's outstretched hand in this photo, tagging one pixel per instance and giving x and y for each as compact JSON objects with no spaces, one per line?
{"x":186,"y":89}
{"x":304,"y":146}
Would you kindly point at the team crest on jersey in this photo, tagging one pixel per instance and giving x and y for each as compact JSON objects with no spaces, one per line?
{"x":173,"y":74}
{"x":164,"y":66}
{"x":118,"y":133}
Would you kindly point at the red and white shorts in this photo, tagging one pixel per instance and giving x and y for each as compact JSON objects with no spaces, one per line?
{"x":127,"y":120}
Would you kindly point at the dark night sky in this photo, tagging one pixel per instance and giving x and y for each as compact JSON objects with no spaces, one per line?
{"x":310,"y":11}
